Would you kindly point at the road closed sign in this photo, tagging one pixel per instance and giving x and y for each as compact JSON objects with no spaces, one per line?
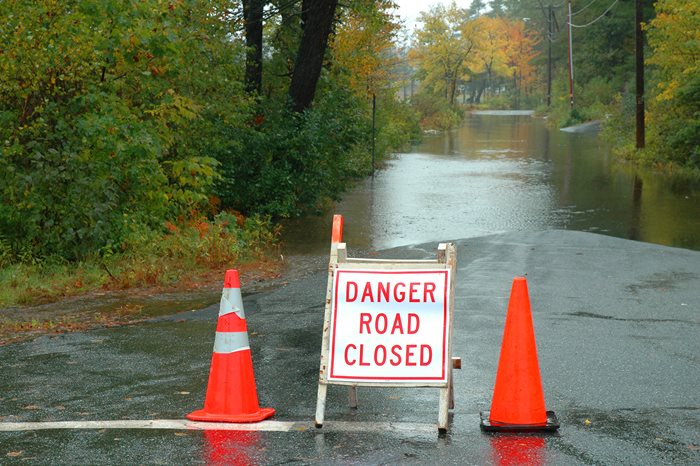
{"x":389,"y":326}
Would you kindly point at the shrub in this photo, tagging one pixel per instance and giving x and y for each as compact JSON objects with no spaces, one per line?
{"x":436,"y":112}
{"x":101,"y":121}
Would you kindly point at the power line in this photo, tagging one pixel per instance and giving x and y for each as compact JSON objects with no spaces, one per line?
{"x":579,"y":11}
{"x":595,"y":20}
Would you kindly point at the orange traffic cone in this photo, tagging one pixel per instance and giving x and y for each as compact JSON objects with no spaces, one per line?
{"x":231,"y":394}
{"x":518,"y":400}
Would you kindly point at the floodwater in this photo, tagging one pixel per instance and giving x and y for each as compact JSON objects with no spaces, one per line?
{"x":501,"y":173}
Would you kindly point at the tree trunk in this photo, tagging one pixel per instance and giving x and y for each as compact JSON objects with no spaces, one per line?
{"x":477,"y":100}
{"x":453,"y":90}
{"x":489,"y":81}
{"x":318,"y":20}
{"x":253,"y":13}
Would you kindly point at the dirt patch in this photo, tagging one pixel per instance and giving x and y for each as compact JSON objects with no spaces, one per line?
{"x":107,"y":308}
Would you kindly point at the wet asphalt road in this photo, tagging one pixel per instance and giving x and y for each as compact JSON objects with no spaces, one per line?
{"x":616,"y":323}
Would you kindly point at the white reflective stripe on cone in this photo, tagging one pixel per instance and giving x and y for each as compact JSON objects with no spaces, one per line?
{"x":230,"y":342}
{"x":231,"y":301}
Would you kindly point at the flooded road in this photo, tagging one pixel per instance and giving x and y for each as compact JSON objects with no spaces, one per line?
{"x":616,"y":321}
{"x":504,"y":173}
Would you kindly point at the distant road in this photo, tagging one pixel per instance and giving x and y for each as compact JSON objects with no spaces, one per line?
{"x":504,"y":112}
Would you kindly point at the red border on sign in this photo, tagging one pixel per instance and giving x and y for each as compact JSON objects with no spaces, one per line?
{"x":444,"y":327}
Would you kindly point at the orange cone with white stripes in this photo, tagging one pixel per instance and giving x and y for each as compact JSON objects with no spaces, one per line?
{"x":231,"y":393}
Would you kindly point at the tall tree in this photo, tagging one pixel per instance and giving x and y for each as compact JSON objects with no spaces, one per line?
{"x":363,"y":44}
{"x":282,"y":36}
{"x":446,"y":48}
{"x":493,"y":49}
{"x":476,"y":7}
{"x":497,"y":7}
{"x":606,"y":48}
{"x":253,"y":18}
{"x":520,"y":52}
{"x":317,"y":23}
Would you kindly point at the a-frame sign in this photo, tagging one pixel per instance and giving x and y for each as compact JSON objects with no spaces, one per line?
{"x":388,"y":323}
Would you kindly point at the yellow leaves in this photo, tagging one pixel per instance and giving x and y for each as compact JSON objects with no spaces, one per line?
{"x":492,"y":46}
{"x":452,"y":46}
{"x":174,"y":108}
{"x":674,"y":35}
{"x":446,"y":44}
{"x":362,"y":43}
{"x":667,"y":90}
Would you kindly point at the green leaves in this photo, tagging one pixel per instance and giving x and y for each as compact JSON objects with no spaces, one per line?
{"x":99,"y":101}
{"x":118,"y":116}
{"x":674,"y":112}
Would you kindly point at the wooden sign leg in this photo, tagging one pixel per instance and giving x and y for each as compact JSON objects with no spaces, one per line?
{"x":352,"y":396}
{"x":336,"y":238}
{"x":321,"y":405}
{"x":443,"y":408}
{"x":451,"y":400}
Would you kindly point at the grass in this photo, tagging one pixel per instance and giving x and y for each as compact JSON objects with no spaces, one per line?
{"x":22,"y":284}
{"x":180,"y":256}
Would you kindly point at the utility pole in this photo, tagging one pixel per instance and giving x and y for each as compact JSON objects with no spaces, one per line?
{"x":639,"y":39}
{"x":571,"y":63}
{"x":374,"y":118}
{"x":550,"y":37}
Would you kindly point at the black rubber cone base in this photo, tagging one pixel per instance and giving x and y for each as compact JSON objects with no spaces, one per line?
{"x":551,"y":426}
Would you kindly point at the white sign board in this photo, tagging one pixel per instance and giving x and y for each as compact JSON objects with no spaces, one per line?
{"x":390,"y":326}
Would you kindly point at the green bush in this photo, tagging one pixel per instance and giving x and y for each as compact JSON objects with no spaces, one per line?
{"x":101,"y":120}
{"x":436,"y":112}
{"x":593,"y":100}
{"x":293,"y":163}
{"x":617,"y":129}
{"x":118,"y":117}
{"x":674,"y":131}
{"x":498,"y":102}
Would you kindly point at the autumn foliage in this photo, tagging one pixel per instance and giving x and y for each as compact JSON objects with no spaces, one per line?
{"x":459,"y":53}
{"x":674,"y":116}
